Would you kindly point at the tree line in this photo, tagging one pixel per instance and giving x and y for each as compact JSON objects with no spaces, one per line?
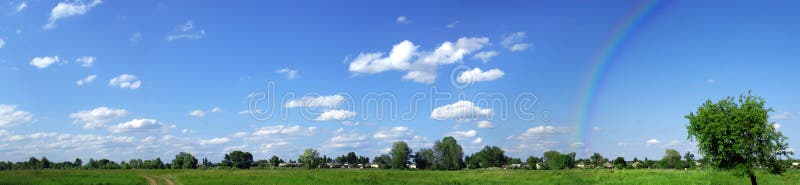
{"x":446,"y":154}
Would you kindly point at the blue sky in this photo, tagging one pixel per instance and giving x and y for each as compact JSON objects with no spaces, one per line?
{"x":145,"y":79}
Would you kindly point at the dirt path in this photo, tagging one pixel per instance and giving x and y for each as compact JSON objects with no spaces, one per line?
{"x":154,"y":180}
{"x":150,"y":180}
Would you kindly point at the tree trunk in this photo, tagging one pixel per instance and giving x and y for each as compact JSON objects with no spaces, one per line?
{"x":753,"y":179}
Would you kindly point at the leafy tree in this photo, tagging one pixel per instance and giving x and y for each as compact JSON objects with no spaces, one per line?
{"x":310,"y":158}
{"x":184,"y":161}
{"x":553,"y":160}
{"x":424,"y":158}
{"x":598,"y":160}
{"x":400,"y":153}
{"x":238,"y":159}
{"x":46,"y":163}
{"x":689,"y":157}
{"x":489,"y":156}
{"x":532,"y":161}
{"x":275,"y":161}
{"x":363,"y":160}
{"x":672,"y":159}
{"x":351,"y":158}
{"x":620,"y":163}
{"x":78,"y":162}
{"x":385,"y":161}
{"x":448,"y":154}
{"x":737,"y":134}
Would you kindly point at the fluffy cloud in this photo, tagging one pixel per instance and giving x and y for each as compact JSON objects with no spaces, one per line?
{"x":135,"y":38}
{"x":284,"y":130}
{"x":318,"y":101}
{"x":485,"y":56}
{"x":215,"y":141}
{"x":403,"y":20}
{"x":652,"y":142}
{"x":290,"y":73}
{"x":216,"y":109}
{"x":86,"y":61}
{"x":88,"y":79}
{"x":10,"y":116}
{"x":186,"y":31}
{"x":477,"y":141}
{"x":348,"y":140}
{"x":393,"y":134}
{"x":782,"y":116}
{"x":97,"y":117}
{"x":542,"y":131}
{"x":68,"y":9}
{"x":44,"y":62}
{"x":463,"y":134}
{"x":485,"y":124}
{"x":2,"y":43}
{"x":125,"y":81}
{"x":461,"y":110}
{"x":21,"y":6}
{"x":140,"y":126}
{"x":420,"y":65}
{"x":477,"y":75}
{"x":453,"y":24}
{"x":197,"y":113}
{"x":338,"y":115}
{"x":514,"y":42}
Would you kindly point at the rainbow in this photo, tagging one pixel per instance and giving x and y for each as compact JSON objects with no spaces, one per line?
{"x":605,"y":59}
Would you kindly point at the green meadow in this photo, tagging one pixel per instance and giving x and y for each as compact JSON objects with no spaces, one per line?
{"x":373,"y":176}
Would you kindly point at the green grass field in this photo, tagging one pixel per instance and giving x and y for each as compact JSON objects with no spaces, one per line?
{"x":346,"y":176}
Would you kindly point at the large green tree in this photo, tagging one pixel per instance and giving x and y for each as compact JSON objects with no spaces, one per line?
{"x":424,"y":158}
{"x":184,"y":161}
{"x":400,"y":152}
{"x":310,"y":158}
{"x":736,"y":134}
{"x":448,"y":154}
{"x":238,"y":159}
{"x":671,"y":159}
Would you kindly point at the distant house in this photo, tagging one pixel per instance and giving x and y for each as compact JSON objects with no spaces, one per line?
{"x":608,"y":165}
{"x":796,"y":164}
{"x":513,"y":166}
{"x":539,"y":166}
{"x":411,"y":166}
{"x":637,"y":164}
{"x":582,"y":165}
{"x":374,"y":165}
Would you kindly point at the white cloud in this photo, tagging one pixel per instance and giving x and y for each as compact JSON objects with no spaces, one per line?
{"x":514,"y":42}
{"x":44,"y":62}
{"x":652,"y":142}
{"x":86,"y":61}
{"x":290,"y":73}
{"x":10,"y":116}
{"x":403,"y":20}
{"x":477,"y":75}
{"x":420,"y":65}
{"x":338,"y":115}
{"x":347,"y":140}
{"x":88,"y":79}
{"x":2,"y":43}
{"x":141,"y":126}
{"x":97,"y":117}
{"x":485,"y":124}
{"x":453,"y":24}
{"x":68,"y":9}
{"x":318,"y":101}
{"x":711,"y":81}
{"x":248,"y":112}
{"x":477,"y":141}
{"x":393,"y":134}
{"x":186,"y":31}
{"x":197,"y":113}
{"x":782,"y":116}
{"x":216,"y":109}
{"x":463,"y":134}
{"x":187,"y":131}
{"x":284,"y":130}
{"x":125,"y":81}
{"x":135,"y":38}
{"x":542,"y":131}
{"x":215,"y":141}
{"x":576,"y":144}
{"x":485,"y":56}
{"x":22,"y":6}
{"x":461,"y":110}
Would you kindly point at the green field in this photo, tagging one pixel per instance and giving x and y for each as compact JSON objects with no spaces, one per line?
{"x":346,"y":176}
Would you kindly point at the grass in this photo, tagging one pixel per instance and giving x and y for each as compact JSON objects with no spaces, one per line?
{"x":359,"y":176}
